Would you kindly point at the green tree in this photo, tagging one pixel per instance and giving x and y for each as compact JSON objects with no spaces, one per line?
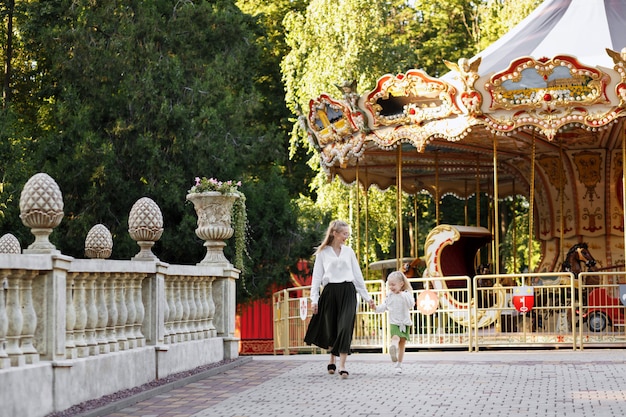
{"x":295,"y":174}
{"x":136,"y":99}
{"x":498,"y":17}
{"x":331,"y":42}
{"x":444,"y":31}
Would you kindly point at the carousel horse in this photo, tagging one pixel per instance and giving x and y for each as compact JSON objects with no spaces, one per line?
{"x":577,"y":256}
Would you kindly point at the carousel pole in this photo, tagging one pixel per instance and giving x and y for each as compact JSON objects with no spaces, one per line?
{"x":514,"y":228}
{"x":624,"y":186}
{"x":496,"y":214}
{"x":477,"y":191}
{"x":437,"y":187}
{"x":532,"y":206}
{"x":358,"y":213}
{"x":561,"y":203}
{"x":478,"y":254}
{"x":399,"y":243}
{"x":417,"y":230}
{"x":367,"y":230}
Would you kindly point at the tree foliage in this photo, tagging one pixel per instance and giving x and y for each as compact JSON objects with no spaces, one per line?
{"x":498,"y":17}
{"x":136,"y":99}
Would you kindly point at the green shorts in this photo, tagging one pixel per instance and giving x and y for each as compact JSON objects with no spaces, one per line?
{"x":394,"y":330}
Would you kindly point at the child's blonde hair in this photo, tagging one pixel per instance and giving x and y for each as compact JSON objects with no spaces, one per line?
{"x":400,"y":277}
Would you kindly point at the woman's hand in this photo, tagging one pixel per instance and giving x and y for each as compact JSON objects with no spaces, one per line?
{"x":314,"y":308}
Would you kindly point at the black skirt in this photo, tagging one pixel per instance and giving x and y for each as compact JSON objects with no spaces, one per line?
{"x":333,"y":325}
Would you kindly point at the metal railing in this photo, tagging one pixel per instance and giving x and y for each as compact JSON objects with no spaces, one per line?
{"x":479,"y":313}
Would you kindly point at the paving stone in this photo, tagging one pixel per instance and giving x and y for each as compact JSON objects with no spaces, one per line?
{"x":433,"y":384}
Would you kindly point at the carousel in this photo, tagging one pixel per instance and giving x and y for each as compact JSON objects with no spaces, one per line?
{"x":540,"y":114}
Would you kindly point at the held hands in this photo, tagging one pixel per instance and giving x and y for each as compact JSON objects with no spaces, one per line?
{"x":372,"y":304}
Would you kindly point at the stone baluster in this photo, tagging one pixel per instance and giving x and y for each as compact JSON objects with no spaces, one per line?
{"x":186,"y":307}
{"x":30,"y":318}
{"x":211,"y":302}
{"x":204,"y":318}
{"x":193,"y":308}
{"x":92,"y":314}
{"x":103,"y":314}
{"x":140,"y":311}
{"x":70,"y":318}
{"x":199,"y":307}
{"x":132,"y":311}
{"x":179,"y":328}
{"x":202,"y":308}
{"x":111,"y":295}
{"x":122,"y":311}
{"x":81,"y":316}
{"x":5,"y":362}
{"x":169,"y":310}
{"x":16,"y":319}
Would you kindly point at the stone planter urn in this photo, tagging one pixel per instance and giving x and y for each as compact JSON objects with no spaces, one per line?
{"x":214,"y":211}
{"x":41,"y":209}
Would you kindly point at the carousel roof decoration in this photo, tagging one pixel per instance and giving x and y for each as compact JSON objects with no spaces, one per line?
{"x":546,"y":80}
{"x":338,"y":127}
{"x":405,"y":106}
{"x":548,"y":94}
{"x":619,"y":58}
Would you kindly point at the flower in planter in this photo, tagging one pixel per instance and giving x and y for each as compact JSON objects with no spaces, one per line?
{"x":205,"y":184}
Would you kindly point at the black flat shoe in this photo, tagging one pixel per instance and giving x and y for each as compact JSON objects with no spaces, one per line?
{"x":331,"y":368}
{"x":343,"y":374}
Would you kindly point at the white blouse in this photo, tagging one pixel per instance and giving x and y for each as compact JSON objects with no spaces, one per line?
{"x":330,"y":268}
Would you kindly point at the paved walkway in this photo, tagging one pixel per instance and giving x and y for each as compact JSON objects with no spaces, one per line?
{"x":433,"y":384}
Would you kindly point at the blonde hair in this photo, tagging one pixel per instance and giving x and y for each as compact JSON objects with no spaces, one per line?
{"x":400,"y":277}
{"x":334,"y":226}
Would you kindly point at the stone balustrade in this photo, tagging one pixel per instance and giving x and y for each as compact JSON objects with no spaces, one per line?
{"x":72,"y":330}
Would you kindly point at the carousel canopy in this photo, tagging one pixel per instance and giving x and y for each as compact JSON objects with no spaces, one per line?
{"x":582,"y":28}
{"x":544,"y":104}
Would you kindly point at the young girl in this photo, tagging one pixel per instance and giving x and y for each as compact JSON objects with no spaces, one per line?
{"x":399,"y":303}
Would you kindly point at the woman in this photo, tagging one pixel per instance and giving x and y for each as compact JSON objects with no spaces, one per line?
{"x":334,"y":312}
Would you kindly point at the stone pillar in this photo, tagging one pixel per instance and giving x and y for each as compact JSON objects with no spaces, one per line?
{"x":52,"y":332}
{"x":154,"y":299}
{"x":224,"y":295}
